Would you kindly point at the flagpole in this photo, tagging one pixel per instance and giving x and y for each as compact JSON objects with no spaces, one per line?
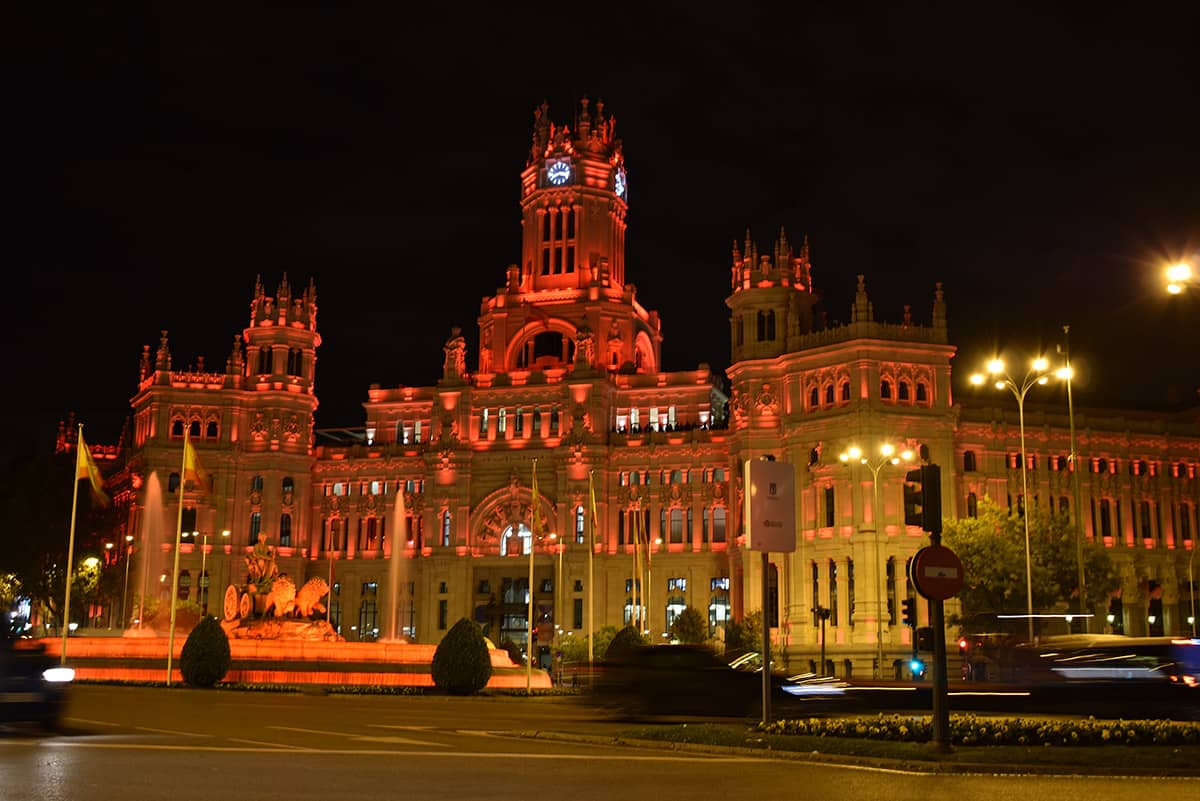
{"x":591,"y":549}
{"x":529,"y":633}
{"x":637,"y":570}
{"x":175,"y":569}
{"x":66,"y":616}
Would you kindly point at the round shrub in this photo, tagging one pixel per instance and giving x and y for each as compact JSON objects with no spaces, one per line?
{"x":205,"y":658}
{"x":623,"y":643}
{"x":690,"y":627}
{"x":461,"y":663}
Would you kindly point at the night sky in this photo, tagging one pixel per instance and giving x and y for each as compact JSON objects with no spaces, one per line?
{"x":1043,"y":165}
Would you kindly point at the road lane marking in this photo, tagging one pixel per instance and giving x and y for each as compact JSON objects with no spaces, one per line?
{"x":172,"y":731}
{"x":95,"y":722}
{"x":362,"y":737}
{"x":282,"y":746}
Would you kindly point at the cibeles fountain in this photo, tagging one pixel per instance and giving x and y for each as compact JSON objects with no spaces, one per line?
{"x":279,"y":633}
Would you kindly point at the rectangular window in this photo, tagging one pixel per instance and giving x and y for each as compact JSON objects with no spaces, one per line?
{"x":483,"y":422}
{"x":577,"y":613}
{"x":829,"y":507}
{"x":718,"y":533}
{"x":443,"y":613}
{"x":833,"y":593}
{"x":719,"y":583}
{"x":678,"y":584}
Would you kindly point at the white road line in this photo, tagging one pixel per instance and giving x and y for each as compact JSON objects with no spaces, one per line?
{"x":281,"y":746}
{"x":95,"y":722}
{"x":363,"y":737}
{"x":171,"y":731}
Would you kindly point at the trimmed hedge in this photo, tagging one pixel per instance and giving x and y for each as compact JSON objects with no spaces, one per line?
{"x":461,"y":663}
{"x":205,"y":658}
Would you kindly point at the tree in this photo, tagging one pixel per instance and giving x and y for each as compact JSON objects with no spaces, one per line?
{"x":991,"y":547}
{"x":461,"y":663}
{"x":575,"y":649}
{"x":205,"y":658}
{"x":744,"y":635}
{"x":689,"y":627}
{"x":625,"y":641}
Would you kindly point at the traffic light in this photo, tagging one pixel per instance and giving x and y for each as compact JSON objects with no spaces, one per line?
{"x":917,"y":667}
{"x":923,"y":498}
{"x":925,"y":638}
{"x":962,"y":646}
{"x":908,"y":608}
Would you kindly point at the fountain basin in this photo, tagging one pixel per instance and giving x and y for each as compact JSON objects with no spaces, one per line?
{"x":303,"y":662}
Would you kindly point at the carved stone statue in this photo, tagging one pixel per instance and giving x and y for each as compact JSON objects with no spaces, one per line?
{"x":455,"y":366}
{"x":260,"y":563}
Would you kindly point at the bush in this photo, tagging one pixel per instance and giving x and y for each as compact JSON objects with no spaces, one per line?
{"x":205,"y":658}
{"x":690,"y":627}
{"x":461,"y":663}
{"x":625,"y":641}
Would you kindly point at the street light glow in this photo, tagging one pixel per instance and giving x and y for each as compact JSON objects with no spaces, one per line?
{"x":995,"y":366}
{"x":887,"y":449}
{"x":1179,"y":273}
{"x":977,"y":379}
{"x":1040,"y":364}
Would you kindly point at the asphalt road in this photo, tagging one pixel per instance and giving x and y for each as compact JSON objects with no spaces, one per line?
{"x":143,"y":744}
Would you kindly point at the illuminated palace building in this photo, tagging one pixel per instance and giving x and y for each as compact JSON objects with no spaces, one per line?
{"x":568,"y":375}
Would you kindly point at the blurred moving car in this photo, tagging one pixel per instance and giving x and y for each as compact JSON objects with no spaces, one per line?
{"x":33,"y":686}
{"x":693,"y":680}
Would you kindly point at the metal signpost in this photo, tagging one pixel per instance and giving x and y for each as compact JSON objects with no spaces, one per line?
{"x":770,"y":522}
{"x":937,"y":574}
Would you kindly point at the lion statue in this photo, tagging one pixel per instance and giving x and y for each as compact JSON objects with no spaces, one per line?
{"x":282,"y":597}
{"x":308,"y":599}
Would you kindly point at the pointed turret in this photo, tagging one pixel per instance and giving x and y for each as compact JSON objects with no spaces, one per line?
{"x":862,"y":311}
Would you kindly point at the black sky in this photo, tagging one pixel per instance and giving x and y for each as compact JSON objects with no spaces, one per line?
{"x":1043,"y":164}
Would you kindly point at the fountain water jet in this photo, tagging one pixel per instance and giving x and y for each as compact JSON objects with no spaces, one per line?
{"x":397,"y":565}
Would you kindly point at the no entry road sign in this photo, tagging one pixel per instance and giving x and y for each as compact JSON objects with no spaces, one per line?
{"x":937,"y":572}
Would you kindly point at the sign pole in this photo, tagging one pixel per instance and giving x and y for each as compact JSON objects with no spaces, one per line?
{"x":766,"y":642}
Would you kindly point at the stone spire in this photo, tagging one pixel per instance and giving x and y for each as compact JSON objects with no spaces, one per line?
{"x":862,"y":311}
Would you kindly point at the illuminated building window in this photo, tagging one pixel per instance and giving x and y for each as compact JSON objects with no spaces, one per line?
{"x":501,"y":420}
{"x":553,"y":422}
{"x":339,"y":488}
{"x":288,"y":485}
{"x":654,"y":418}
{"x":446,"y":529}
{"x":579,"y":525}
{"x":255,"y":525}
{"x":633,"y":420}
{"x":483,"y":422}
{"x":718,"y":474}
{"x":285,"y":530}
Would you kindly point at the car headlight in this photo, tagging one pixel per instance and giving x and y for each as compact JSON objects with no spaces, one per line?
{"x":58,"y":675}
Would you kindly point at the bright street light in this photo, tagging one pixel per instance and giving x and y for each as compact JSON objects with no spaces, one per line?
{"x":1178,"y":277}
{"x":1036,"y":374}
{"x":887,"y":455}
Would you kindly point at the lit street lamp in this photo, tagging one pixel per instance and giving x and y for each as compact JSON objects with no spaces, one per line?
{"x":887,"y":455}
{"x":1179,"y":276}
{"x":1035,"y":375}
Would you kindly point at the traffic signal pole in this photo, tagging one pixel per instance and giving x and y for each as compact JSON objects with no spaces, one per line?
{"x":941,"y":686}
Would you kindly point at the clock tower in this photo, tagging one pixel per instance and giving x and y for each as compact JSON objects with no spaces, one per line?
{"x":569,"y":290}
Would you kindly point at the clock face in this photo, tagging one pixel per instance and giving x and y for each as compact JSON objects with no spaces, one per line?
{"x":619,"y":182}
{"x":559,"y":173}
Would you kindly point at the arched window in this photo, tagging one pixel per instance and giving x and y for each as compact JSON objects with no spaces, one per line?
{"x":177,"y":428}
{"x":829,"y":394}
{"x":845,"y":391}
{"x":285,"y":530}
{"x":969,"y":465}
{"x":922,"y":394}
{"x":814,"y":398}
{"x":902,"y":391}
{"x":194,"y":429}
{"x":885,"y":389}
{"x":508,"y":547}
{"x":288,"y":485}
{"x":211,"y":431}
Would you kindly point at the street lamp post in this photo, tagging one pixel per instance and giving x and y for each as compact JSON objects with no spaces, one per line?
{"x":108,"y":546}
{"x":1065,"y":373}
{"x":887,"y":455}
{"x":125,"y":591}
{"x":1192,"y":588}
{"x":1035,"y":375}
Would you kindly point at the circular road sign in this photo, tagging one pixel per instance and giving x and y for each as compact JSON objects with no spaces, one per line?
{"x":937,"y":572}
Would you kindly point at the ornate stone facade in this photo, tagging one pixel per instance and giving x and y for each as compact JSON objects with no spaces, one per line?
{"x":568,"y":376}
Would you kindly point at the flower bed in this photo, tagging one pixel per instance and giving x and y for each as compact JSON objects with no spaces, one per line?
{"x":973,"y":730}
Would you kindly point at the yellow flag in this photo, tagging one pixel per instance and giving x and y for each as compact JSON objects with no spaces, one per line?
{"x":592,"y":499}
{"x":193,"y":470}
{"x":85,"y":467}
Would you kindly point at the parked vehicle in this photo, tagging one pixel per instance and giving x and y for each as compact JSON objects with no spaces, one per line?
{"x":33,"y":685}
